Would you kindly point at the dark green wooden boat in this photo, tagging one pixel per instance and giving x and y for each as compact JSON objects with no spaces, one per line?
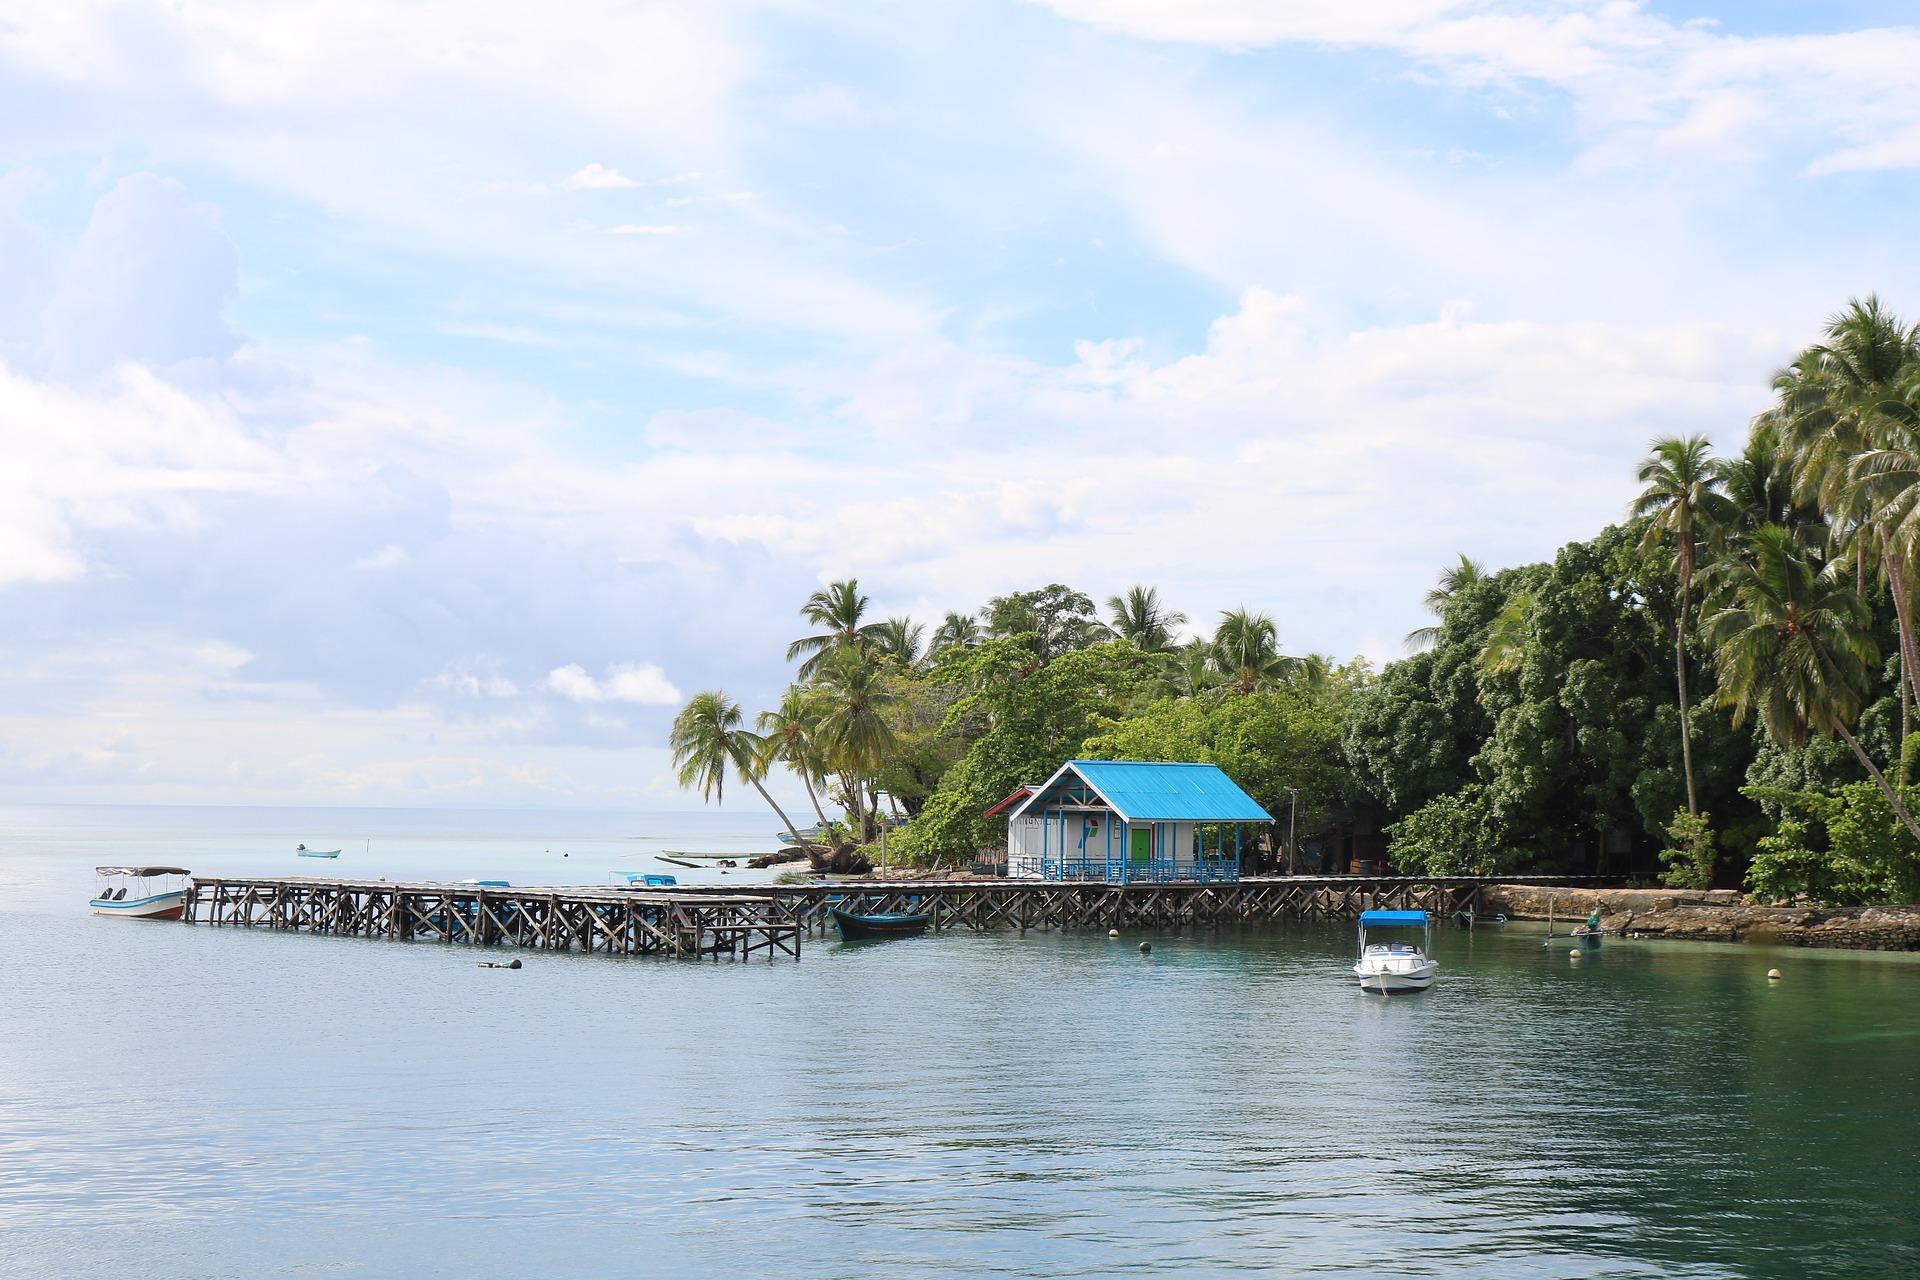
{"x":855,"y":928}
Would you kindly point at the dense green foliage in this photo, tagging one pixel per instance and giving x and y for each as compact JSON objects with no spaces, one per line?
{"x":1451,"y":835}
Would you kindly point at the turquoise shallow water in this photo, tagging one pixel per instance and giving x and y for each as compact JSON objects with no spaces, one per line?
{"x":184,"y":1101}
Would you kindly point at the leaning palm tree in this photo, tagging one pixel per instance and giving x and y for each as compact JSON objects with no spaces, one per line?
{"x":1790,"y":646}
{"x":837,"y":609}
{"x":956,"y":631}
{"x":789,"y":734}
{"x":708,"y":740}
{"x":1454,"y":579}
{"x":851,"y":696}
{"x":1682,"y":500}
{"x":1139,"y":618}
{"x":1246,"y":650}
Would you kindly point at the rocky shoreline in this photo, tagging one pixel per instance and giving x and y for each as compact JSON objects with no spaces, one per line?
{"x":1713,"y":915}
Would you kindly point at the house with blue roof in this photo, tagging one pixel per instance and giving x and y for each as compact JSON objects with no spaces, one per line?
{"x":1129,"y":821}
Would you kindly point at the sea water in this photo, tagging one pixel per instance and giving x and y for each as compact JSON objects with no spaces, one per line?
{"x":183,"y":1101}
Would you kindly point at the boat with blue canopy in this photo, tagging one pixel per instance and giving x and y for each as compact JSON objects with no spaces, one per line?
{"x":1392,"y":968}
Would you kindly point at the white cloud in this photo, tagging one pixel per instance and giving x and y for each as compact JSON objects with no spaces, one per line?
{"x":597,"y":177}
{"x":1639,"y":79}
{"x":643,"y":683}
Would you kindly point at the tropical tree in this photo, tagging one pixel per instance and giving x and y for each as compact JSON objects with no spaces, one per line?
{"x":1791,"y":648}
{"x":789,"y":734}
{"x":709,"y":740}
{"x":1246,"y":650}
{"x":1139,"y":618}
{"x":1060,"y":620}
{"x":837,"y":609}
{"x":956,"y":631}
{"x":1682,"y":501}
{"x":1835,"y":408}
{"x":1453,"y":580}
{"x":851,"y":696}
{"x":899,"y":639}
{"x":1505,"y":649}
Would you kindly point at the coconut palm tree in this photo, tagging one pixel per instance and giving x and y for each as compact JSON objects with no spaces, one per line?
{"x":899,"y":639}
{"x":1835,"y":408}
{"x":1505,"y":647}
{"x":1682,"y":500}
{"x":789,"y":734}
{"x":1139,"y":618}
{"x":851,"y":697}
{"x":1790,"y":646}
{"x":1453,"y":580}
{"x":837,"y":609}
{"x":956,"y":631}
{"x":709,"y":739}
{"x":1246,"y":650}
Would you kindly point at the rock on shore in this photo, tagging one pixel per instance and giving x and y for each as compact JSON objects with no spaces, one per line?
{"x":1714,"y":915}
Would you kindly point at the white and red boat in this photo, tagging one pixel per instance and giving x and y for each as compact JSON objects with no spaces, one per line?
{"x":141,"y":893}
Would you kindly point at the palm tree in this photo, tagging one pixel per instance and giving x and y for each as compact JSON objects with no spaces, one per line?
{"x":1834,"y":408}
{"x":1682,"y":499}
{"x":837,"y":609}
{"x":1505,"y":648}
{"x":1246,"y":650}
{"x":789,"y":734}
{"x":956,"y":631}
{"x":1791,"y":646}
{"x":899,"y":639}
{"x":708,"y":739}
{"x":1139,"y":618}
{"x":1454,"y":579}
{"x":851,"y":696}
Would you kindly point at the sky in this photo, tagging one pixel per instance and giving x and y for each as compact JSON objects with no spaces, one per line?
{"x":411,"y":403}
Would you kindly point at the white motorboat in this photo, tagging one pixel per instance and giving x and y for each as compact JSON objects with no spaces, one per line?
{"x":1392,"y":968}
{"x":141,"y":893}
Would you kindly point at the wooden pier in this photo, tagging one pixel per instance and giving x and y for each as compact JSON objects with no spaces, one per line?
{"x":740,"y":920}
{"x":1086,"y":904}
{"x":614,"y":921}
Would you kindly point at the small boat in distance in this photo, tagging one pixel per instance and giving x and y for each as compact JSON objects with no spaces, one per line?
{"x":858,"y":928}
{"x":305,"y":852}
{"x":142,"y":899}
{"x":1395,"y":967}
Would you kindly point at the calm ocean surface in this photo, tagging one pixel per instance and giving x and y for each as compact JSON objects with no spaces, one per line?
{"x":188,"y":1102}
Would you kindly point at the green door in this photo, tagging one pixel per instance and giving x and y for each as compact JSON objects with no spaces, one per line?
{"x":1142,"y":845}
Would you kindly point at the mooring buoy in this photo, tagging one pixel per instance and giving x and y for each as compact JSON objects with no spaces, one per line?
{"x":1574,"y":954}
{"x":1113,"y":933}
{"x":1145,"y":947}
{"x":1773,"y":975}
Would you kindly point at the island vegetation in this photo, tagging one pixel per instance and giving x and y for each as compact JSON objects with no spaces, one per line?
{"x":1719,"y":689}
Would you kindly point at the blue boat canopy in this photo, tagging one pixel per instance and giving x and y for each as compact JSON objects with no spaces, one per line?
{"x":1392,"y":917}
{"x":1141,"y":791}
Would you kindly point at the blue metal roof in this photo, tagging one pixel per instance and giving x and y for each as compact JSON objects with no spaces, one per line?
{"x":1392,"y":917}
{"x":1152,"y":792}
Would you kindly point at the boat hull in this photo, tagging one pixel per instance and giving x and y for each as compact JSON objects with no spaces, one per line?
{"x":309,"y":853}
{"x":855,"y":928}
{"x":160,"y":906}
{"x":1393,"y":982}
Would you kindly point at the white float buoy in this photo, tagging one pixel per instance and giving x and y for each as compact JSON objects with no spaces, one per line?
{"x":1574,"y":954}
{"x":1113,"y":933}
{"x":1773,"y":975}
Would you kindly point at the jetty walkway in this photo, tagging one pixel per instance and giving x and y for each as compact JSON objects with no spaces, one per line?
{"x":738,"y":921}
